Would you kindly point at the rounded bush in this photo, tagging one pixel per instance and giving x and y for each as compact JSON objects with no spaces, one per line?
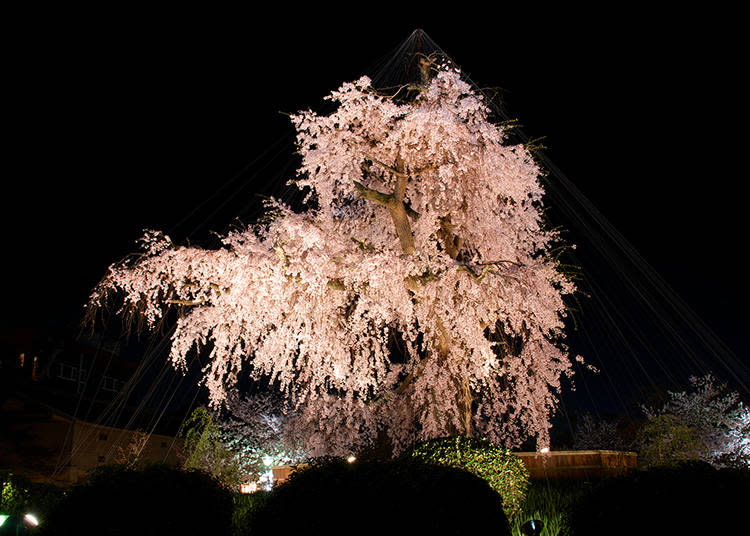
{"x":681,"y":499}
{"x":333,"y":497}
{"x":156,"y":499}
{"x":503,"y":471}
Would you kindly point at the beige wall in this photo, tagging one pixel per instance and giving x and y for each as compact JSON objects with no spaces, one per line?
{"x":94,"y":445}
{"x":47,"y":447}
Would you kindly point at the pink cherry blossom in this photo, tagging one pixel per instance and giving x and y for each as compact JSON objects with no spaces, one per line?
{"x":425,"y":228}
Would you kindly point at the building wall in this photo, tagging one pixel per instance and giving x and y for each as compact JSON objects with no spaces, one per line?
{"x":48,"y":447}
{"x":578,"y":463}
{"x":95,"y":445}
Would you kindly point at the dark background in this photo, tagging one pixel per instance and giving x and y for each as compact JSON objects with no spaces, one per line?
{"x":123,"y":120}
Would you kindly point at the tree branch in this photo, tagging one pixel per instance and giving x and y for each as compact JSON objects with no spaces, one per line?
{"x":395,"y":204}
{"x":187,"y":302}
{"x":373,"y":195}
{"x":451,"y":242}
{"x":395,"y":171}
{"x":336,"y":284}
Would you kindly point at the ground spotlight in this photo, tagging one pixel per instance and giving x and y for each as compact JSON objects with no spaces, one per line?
{"x":533,"y":527}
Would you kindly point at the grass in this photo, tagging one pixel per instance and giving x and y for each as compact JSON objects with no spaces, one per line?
{"x":548,"y":501}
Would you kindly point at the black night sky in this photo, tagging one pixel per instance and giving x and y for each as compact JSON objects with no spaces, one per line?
{"x":118,"y":122}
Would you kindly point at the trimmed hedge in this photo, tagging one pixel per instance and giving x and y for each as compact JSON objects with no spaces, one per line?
{"x":503,"y":471}
{"x":333,"y":497}
{"x":683,"y":499}
{"x":246,"y":507}
{"x":156,"y":499}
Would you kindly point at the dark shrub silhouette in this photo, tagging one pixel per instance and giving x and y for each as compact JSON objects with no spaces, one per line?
{"x":681,"y":499}
{"x":158,"y":500}
{"x":246,"y":507}
{"x":333,"y":497}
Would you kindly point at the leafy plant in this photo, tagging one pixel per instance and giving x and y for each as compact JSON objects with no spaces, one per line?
{"x":666,"y":440}
{"x":549,"y":501}
{"x":204,"y":450}
{"x":19,"y":495}
{"x":504,"y":472}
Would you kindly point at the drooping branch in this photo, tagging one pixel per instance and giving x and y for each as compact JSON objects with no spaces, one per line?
{"x":373,"y":195}
{"x":187,"y":302}
{"x":475,"y":276}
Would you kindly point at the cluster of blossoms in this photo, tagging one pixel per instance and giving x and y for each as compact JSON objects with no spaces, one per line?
{"x":257,"y":431}
{"x":425,"y":233}
{"x":717,"y":419}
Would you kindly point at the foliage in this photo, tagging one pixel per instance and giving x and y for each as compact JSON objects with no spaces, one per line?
{"x":19,"y":495}
{"x":549,"y":501}
{"x":12,"y":497}
{"x":255,"y":429}
{"x":156,"y":499}
{"x":503,"y":471}
{"x":596,"y":434}
{"x":680,"y":499}
{"x":130,"y":454}
{"x":416,"y":294}
{"x":204,"y":450}
{"x":405,"y":496}
{"x":718,"y":421}
{"x":666,"y":440}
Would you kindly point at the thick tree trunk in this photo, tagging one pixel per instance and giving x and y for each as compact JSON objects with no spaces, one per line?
{"x":403,"y":227}
{"x":394,"y":201}
{"x":463,"y":390}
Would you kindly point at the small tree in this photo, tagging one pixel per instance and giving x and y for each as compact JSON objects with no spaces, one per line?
{"x":204,"y":450}
{"x":718,"y":421}
{"x":130,"y":454}
{"x":665,"y":440}
{"x":593,"y":434}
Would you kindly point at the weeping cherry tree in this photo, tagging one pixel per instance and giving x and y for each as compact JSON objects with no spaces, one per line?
{"x":417,"y":294}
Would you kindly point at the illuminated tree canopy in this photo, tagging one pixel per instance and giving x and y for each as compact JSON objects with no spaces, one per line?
{"x":416,"y":295}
